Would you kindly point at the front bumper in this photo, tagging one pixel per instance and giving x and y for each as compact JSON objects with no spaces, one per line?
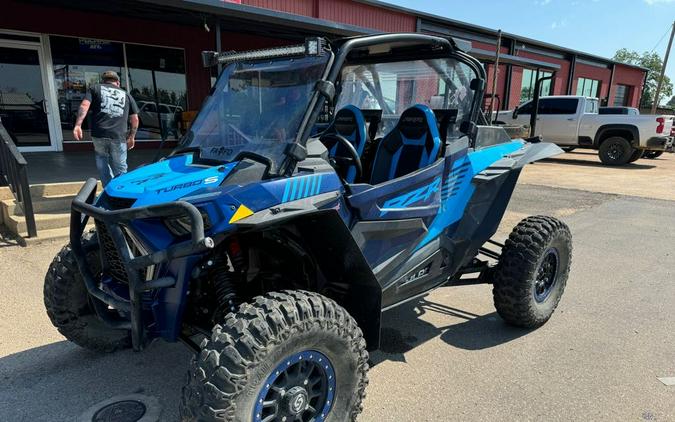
{"x":115,"y":223}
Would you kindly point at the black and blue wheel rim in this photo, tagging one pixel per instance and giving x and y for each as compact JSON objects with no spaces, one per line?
{"x":300,"y":389}
{"x":547,"y":274}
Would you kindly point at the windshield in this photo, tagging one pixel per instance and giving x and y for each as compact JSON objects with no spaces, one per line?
{"x":255,"y":107}
{"x":441,"y":84}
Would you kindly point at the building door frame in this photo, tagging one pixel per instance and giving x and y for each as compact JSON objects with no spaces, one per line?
{"x":48,"y":86}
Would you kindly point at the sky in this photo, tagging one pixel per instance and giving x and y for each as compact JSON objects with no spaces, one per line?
{"x":598,"y":27}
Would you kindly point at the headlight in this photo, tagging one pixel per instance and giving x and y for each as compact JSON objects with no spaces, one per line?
{"x":181,"y":226}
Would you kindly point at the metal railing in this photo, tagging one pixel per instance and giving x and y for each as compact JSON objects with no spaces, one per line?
{"x":14,"y":172}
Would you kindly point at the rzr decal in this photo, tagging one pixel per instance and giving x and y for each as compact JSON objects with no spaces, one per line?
{"x":411,"y":198}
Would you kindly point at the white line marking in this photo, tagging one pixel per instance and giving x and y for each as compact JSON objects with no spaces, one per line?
{"x":667,"y":380}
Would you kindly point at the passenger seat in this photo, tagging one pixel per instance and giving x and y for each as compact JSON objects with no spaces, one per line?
{"x":414,"y":143}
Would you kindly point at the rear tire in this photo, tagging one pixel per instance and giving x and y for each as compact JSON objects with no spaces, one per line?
{"x":652,"y":154}
{"x":615,"y":151}
{"x":69,"y":305}
{"x":532,"y":272}
{"x":261,"y":351}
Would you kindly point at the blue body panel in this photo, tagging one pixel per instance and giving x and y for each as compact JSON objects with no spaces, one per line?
{"x":457,"y":188}
{"x":436,"y":194}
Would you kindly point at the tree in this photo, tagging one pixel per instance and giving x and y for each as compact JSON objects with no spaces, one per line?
{"x":671,"y":103}
{"x":653,"y":62}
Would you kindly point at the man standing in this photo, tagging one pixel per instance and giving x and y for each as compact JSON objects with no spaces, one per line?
{"x":111,"y":108}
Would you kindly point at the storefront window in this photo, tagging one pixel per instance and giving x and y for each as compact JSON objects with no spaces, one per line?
{"x":588,"y":87}
{"x":157,"y":83}
{"x":78,"y":63}
{"x":529,"y":79}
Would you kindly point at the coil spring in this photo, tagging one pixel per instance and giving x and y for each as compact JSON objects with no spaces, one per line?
{"x":225,"y":281}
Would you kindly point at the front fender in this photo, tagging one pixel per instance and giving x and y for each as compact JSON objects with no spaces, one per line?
{"x":346,"y":276}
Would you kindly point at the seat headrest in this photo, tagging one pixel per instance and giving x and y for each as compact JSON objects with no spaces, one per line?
{"x":347,"y":119}
{"x":415,"y":121}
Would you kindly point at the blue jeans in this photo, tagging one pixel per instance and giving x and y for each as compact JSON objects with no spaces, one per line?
{"x":111,"y":158}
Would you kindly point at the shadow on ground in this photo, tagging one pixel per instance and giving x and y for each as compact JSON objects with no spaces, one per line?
{"x":403,"y":329}
{"x":59,"y":381}
{"x":598,"y":164}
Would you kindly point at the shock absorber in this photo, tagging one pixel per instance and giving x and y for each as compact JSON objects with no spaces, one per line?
{"x":225,"y":280}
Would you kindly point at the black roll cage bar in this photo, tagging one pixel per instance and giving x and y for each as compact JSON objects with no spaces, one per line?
{"x":437,"y":47}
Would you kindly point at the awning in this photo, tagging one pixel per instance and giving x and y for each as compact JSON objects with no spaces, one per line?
{"x":490,"y":57}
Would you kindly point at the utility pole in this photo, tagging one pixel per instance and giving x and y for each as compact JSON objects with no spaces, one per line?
{"x":663,"y":71}
{"x":495,"y":75}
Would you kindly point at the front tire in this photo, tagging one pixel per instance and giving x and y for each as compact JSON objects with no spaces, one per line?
{"x":530,"y":277}
{"x":636,"y":156}
{"x":70,"y":307}
{"x":615,"y":151}
{"x":295,"y":354}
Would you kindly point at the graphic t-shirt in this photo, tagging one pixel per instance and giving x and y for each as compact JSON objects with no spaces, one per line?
{"x":109,"y":110}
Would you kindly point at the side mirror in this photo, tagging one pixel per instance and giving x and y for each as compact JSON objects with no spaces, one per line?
{"x":515,"y":113}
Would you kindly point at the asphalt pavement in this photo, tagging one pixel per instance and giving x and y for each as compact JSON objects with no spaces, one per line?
{"x":445,"y":357}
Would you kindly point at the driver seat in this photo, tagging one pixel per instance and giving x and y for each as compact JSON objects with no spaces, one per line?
{"x":349,"y":123}
{"x":413,"y":144}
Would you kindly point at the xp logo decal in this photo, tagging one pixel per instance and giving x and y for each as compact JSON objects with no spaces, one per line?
{"x":411,"y":198}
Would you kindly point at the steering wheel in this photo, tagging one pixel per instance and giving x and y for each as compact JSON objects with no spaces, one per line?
{"x":344,"y":162}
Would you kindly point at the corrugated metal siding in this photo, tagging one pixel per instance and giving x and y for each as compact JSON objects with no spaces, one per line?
{"x":359,"y":14}
{"x":297,"y":7}
{"x":343,"y":11}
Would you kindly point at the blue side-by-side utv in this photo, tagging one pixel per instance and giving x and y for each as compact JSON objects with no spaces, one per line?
{"x":319,"y":185}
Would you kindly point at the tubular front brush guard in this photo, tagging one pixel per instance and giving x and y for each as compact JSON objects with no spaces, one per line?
{"x":82,"y":209}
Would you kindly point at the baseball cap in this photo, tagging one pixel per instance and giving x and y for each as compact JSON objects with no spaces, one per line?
{"x":109,"y":74}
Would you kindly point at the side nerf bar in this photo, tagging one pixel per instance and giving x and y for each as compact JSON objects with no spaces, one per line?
{"x":82,"y":209}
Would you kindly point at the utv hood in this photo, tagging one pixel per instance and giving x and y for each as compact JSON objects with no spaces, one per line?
{"x":167,"y":180}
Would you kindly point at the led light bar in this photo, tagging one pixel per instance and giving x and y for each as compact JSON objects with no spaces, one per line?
{"x":312,"y":47}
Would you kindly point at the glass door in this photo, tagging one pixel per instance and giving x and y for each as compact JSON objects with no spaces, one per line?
{"x":23,"y":104}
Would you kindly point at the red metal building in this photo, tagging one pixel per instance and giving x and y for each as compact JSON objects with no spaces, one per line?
{"x":52,"y":50}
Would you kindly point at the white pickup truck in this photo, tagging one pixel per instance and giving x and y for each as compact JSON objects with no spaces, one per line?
{"x":574,"y":122}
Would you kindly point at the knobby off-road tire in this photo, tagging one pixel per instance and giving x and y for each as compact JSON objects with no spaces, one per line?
{"x":229,"y":378}
{"x":537,"y":254}
{"x":69,"y":305}
{"x":615,"y":151}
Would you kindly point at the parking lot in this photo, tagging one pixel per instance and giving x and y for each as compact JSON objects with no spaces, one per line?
{"x":447,"y":356}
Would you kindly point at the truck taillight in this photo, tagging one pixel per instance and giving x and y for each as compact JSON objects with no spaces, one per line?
{"x":661,"y":124}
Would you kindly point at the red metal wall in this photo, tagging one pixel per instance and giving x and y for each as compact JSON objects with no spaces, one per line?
{"x":592,"y":72}
{"x":629,"y":76}
{"x":343,"y":11}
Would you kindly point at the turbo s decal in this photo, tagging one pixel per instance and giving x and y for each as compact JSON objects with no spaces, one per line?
{"x":411,"y":198}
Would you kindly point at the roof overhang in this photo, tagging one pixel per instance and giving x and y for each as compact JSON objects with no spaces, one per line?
{"x":231,"y":11}
{"x":491,"y":57}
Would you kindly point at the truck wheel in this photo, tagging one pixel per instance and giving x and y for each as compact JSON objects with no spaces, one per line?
{"x":637,"y":153}
{"x":530,"y":277}
{"x":69,"y":306}
{"x":290,"y":356}
{"x":615,"y":151}
{"x":652,"y":154}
